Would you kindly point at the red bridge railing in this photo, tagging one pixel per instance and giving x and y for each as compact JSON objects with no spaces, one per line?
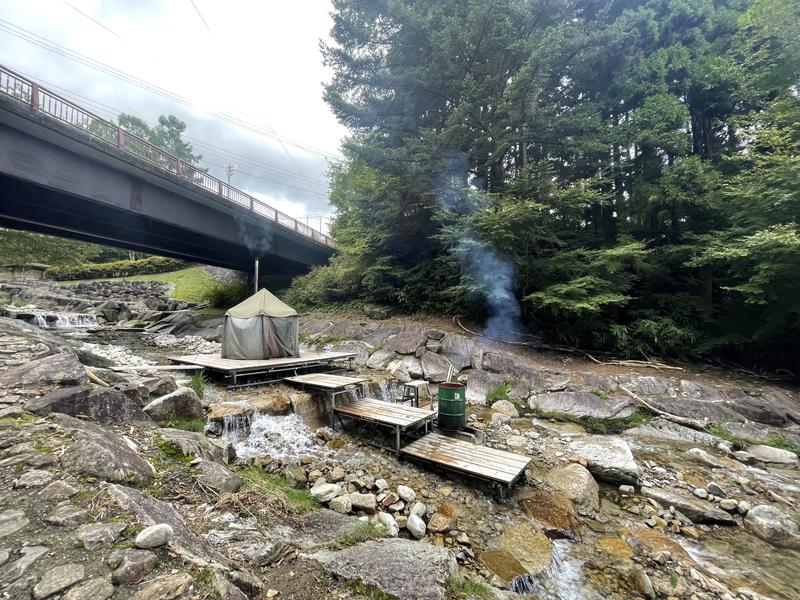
{"x":18,"y":87}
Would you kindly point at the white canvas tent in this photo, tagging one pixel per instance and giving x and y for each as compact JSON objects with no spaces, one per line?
{"x":261,"y":327}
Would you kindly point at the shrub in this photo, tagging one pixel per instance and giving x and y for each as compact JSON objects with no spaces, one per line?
{"x":118,"y":268}
{"x":225,"y":295}
{"x":198,"y":383}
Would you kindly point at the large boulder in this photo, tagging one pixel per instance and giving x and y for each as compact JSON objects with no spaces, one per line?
{"x":608,"y":458}
{"x":577,"y":483}
{"x":406,"y":569}
{"x":183,"y":403}
{"x":99,"y":452}
{"x":774,"y":456}
{"x":479,"y":383}
{"x":380,"y":358}
{"x":406,"y":342}
{"x":108,"y":405}
{"x":583,"y":404}
{"x":773,"y":525}
{"x":216,"y":476}
{"x":359,"y":348}
{"x":553,"y":513}
{"x":528,"y":546}
{"x":646,"y":385}
{"x":57,"y":369}
{"x":190,"y":443}
{"x":699,"y":511}
{"x":405,"y":368}
{"x":151,"y":511}
{"x":435,"y":367}
{"x":458,"y":350}
{"x":714,"y":411}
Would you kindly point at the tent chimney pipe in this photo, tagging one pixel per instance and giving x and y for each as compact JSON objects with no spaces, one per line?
{"x":255,"y":277}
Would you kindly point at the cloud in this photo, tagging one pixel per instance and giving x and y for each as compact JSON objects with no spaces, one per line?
{"x":260,"y":63}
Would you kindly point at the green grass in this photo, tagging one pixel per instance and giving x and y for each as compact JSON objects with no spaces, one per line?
{"x":198,"y":383}
{"x":24,"y":419}
{"x":370,"y":592}
{"x":362,"y":533}
{"x":296,"y":501}
{"x":196,"y":425}
{"x":173,"y":455}
{"x":191,"y":285}
{"x":594,"y":425}
{"x":776,"y":440}
{"x":458,"y":589}
{"x":599,"y":393}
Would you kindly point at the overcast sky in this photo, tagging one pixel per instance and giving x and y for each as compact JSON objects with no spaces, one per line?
{"x":257,"y":61}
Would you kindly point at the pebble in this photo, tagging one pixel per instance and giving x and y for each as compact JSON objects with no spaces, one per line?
{"x":716,"y":489}
{"x":416,"y":526}
{"x":154,"y":536}
{"x":729,"y":504}
{"x":627,"y":489}
{"x":701,"y":493}
{"x":406,"y":493}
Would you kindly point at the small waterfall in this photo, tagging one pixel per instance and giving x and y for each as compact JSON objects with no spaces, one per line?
{"x":280,"y":437}
{"x":560,"y":581}
{"x":65,"y":321}
{"x":40,"y":321}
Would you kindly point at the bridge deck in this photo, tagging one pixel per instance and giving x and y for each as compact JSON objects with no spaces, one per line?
{"x":477,"y":461}
{"x":230,"y":366}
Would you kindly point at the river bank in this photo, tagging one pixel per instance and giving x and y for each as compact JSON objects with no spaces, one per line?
{"x":618,"y":503}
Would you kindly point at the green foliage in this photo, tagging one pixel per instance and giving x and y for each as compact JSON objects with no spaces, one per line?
{"x":634,"y":162}
{"x":225,"y":295}
{"x":20,"y":247}
{"x":196,"y":425}
{"x":166,"y":135}
{"x":595,"y":425}
{"x":296,"y":501}
{"x":198,"y":383}
{"x":498,"y":393}
{"x":467,"y":589}
{"x":362,"y":533}
{"x":189,"y":285}
{"x":776,"y":440}
{"x":119,"y":268}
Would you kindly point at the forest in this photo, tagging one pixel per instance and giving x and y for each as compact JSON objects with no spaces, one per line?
{"x":612,"y":175}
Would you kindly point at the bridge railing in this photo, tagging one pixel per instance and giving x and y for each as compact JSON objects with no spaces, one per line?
{"x":42,"y":100}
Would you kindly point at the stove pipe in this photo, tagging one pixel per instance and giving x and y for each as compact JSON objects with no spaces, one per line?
{"x":255,"y":277}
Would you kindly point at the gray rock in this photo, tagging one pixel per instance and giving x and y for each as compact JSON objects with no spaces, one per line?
{"x":416,"y":526}
{"x":30,"y":554}
{"x":716,"y":489}
{"x":12,"y":521}
{"x":479,"y":383}
{"x":406,"y":342}
{"x":365,"y":502}
{"x":94,"y":589}
{"x":774,"y":456}
{"x":359,"y":348}
{"x":160,"y":386}
{"x":245,"y":581}
{"x":58,"y":579}
{"x":583,"y":404}
{"x":704,"y":458}
{"x":380,"y":358}
{"x":646,"y":385}
{"x":58,"y":490}
{"x":217,"y":476}
{"x":165,"y":589}
{"x":404,"y":568}
{"x":642,"y":584}
{"x":341,"y":504}
{"x":773,"y":525}
{"x":106,"y":406}
{"x":506,"y":408}
{"x":296,"y":476}
{"x":715,"y":412}
{"x":499,"y":419}
{"x":497,"y":362}
{"x":608,"y":458}
{"x":577,"y":483}
{"x":388,"y":523}
{"x":325,"y":492}
{"x":225,"y":590}
{"x":183,"y":403}
{"x":434,"y":367}
{"x":696,"y":510}
{"x":131,"y":565}
{"x":154,"y":536}
{"x":659,"y":428}
{"x":458,"y":350}
{"x":405,"y":368}
{"x":406,"y":493}
{"x":758,"y":431}
{"x":58,"y":369}
{"x":98,"y":452}
{"x":99,"y":534}
{"x":33,"y":478}
{"x":151,"y":511}
{"x":191,"y":443}
{"x":729,"y":504}
{"x":67,"y":515}
{"x":693,"y":389}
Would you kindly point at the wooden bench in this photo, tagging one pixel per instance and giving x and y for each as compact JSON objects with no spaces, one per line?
{"x":496,"y":466}
{"x":396,"y":416}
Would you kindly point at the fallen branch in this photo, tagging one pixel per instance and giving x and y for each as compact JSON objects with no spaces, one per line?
{"x":540,"y":346}
{"x":699,"y":424}
{"x":95,"y":379}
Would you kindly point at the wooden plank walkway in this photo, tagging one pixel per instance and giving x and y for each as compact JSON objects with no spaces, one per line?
{"x":478,"y":461}
{"x":230,"y":365}
{"x":326,"y":381}
{"x":370,"y":409}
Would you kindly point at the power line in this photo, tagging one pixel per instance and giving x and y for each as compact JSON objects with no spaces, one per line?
{"x":56,"y":48}
{"x":199,"y":14}
{"x":92,"y":19}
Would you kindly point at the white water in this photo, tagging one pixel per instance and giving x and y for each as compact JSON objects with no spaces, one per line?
{"x":67,"y":320}
{"x":285,"y":437}
{"x":560,"y":581}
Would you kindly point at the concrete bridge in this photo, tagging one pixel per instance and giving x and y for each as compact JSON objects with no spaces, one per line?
{"x":67,"y":172}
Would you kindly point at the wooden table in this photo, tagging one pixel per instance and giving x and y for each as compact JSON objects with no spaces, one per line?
{"x":333,"y":385}
{"x":395,"y":416}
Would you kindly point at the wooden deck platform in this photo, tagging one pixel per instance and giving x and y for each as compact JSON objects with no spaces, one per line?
{"x":326,"y":381}
{"x":230,"y":366}
{"x":395,"y":416}
{"x":470,"y":459}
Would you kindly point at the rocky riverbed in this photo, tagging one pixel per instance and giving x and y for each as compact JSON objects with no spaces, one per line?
{"x":104,"y":497}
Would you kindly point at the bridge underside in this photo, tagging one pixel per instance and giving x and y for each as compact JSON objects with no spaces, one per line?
{"x":59,"y":181}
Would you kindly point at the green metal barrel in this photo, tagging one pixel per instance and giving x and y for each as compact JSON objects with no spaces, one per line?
{"x":452,"y":406}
